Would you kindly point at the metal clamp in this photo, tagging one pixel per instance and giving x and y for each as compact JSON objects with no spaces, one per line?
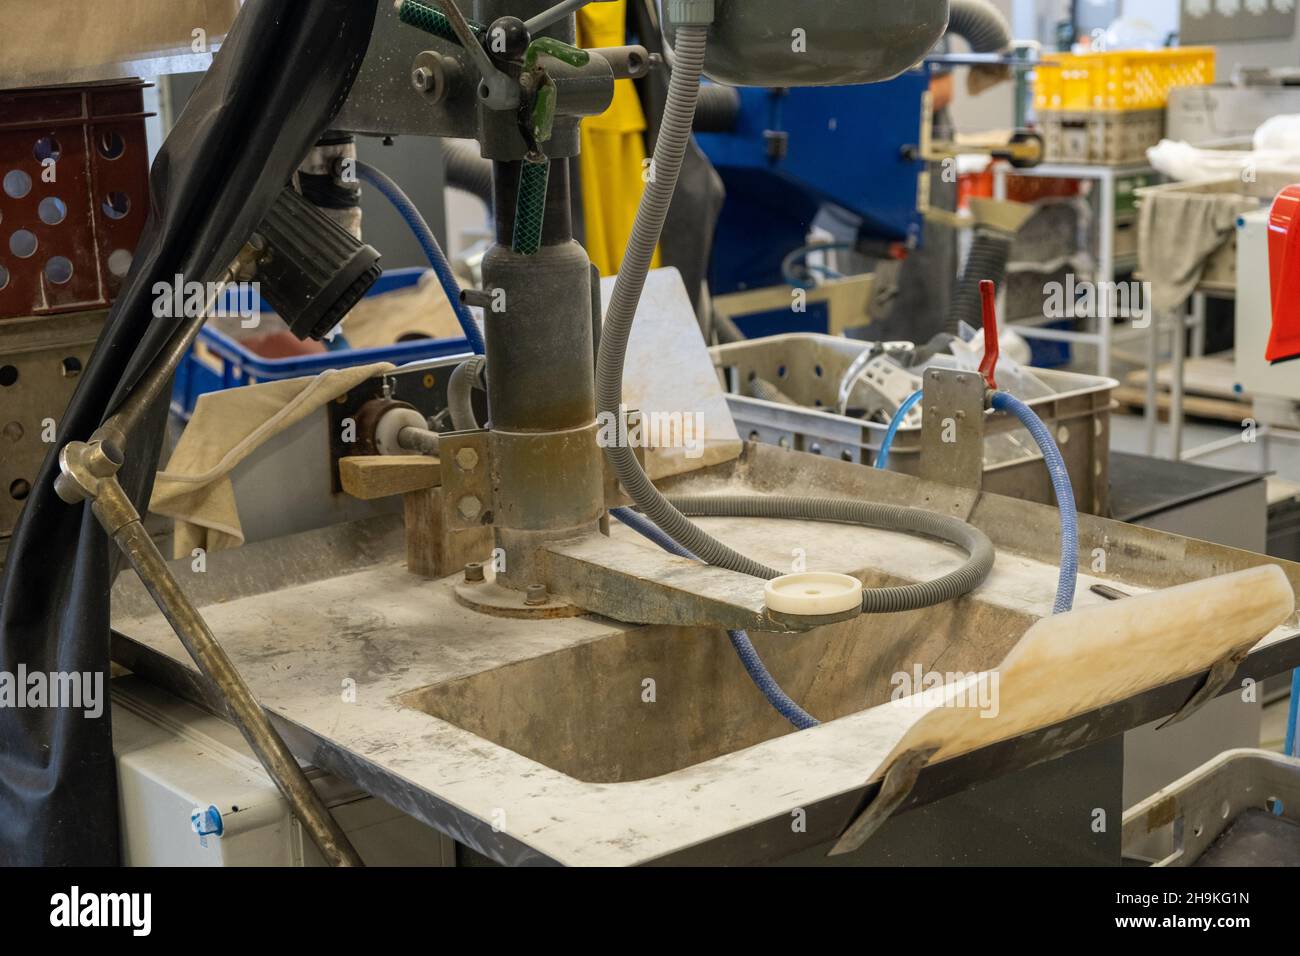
{"x":899,"y":780}
{"x":497,"y":90}
{"x":1216,"y":679}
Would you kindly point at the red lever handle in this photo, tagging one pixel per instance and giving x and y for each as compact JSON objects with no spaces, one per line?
{"x":989,"y":309}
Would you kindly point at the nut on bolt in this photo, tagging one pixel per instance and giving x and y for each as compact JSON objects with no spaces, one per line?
{"x":536,"y":595}
{"x":422,"y":78}
{"x":469,"y":507}
{"x":474,"y":572}
{"x":466,"y":458}
{"x":435,"y":75}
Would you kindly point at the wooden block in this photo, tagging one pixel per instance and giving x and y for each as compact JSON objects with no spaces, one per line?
{"x":422,"y":512}
{"x":381,"y":476}
{"x":433,"y":551}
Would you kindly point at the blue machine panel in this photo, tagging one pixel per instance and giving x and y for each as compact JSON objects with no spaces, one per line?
{"x":794,"y":151}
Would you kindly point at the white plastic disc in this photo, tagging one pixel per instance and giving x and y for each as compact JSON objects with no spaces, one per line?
{"x":390,"y":425}
{"x":813,"y":593}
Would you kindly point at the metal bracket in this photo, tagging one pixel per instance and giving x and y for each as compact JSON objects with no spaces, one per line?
{"x":899,"y":780}
{"x":466,"y":480}
{"x":952,"y":428}
{"x":1215,"y":681}
{"x":626,"y":582}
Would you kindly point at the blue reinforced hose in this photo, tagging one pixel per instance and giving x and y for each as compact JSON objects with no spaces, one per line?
{"x":895,"y":423}
{"x":432,"y":251}
{"x":1004,"y":402}
{"x":744,"y":647}
{"x":1293,"y":717}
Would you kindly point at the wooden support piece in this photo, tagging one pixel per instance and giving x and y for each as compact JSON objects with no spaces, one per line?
{"x":369,"y":477}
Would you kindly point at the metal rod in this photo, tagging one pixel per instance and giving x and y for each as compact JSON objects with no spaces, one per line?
{"x":146,"y":391}
{"x":118,"y":516}
{"x":502,"y":91}
{"x":1153,"y":362}
{"x":549,"y":16}
{"x":1177,"y":371}
{"x":423,"y":440}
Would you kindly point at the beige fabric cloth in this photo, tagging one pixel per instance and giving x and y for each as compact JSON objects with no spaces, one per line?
{"x":422,"y":309}
{"x":226,"y":427}
{"x":1177,"y":234}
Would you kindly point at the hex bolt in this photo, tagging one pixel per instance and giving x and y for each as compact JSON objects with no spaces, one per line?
{"x":536,"y":595}
{"x":466,"y":458}
{"x":469,"y":507}
{"x":474,"y":572}
{"x":422,"y":78}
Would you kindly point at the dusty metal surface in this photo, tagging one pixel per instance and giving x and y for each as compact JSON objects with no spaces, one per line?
{"x":41,"y":358}
{"x":586,"y":741}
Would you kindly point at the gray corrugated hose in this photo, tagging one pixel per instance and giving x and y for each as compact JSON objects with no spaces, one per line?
{"x":906,"y":597}
{"x":990,"y":251}
{"x":460,"y":390}
{"x":467,"y":170}
{"x":670,"y":147}
{"x":980,"y":24}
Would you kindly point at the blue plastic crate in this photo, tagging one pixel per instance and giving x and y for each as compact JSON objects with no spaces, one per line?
{"x":239,"y":366}
{"x":1048,"y":353}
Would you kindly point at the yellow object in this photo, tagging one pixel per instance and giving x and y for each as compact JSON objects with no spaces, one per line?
{"x":1126,"y":80}
{"x":613,"y":149}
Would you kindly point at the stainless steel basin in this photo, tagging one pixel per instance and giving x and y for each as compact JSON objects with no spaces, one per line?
{"x":632,"y":706}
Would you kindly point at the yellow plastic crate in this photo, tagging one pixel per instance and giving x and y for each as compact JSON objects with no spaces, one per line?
{"x":1126,"y":80}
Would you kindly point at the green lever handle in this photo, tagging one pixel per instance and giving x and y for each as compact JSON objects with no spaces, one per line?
{"x":564,"y":52}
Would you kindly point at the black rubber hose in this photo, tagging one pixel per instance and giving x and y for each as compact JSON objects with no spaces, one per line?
{"x":990,"y":251}
{"x":907,"y":597}
{"x":467,"y":170}
{"x":980,"y":24}
{"x":717,"y":109}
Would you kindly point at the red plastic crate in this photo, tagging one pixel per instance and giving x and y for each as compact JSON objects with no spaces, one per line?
{"x":68,"y":229}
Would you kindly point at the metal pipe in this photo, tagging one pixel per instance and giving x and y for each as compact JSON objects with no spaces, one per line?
{"x":1176,"y":370}
{"x":118,"y":516}
{"x":419,"y":439}
{"x":156,"y":380}
{"x":557,"y":12}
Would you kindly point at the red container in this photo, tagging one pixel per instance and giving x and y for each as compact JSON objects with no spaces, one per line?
{"x":74,"y":194}
{"x":1284,"y":275}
